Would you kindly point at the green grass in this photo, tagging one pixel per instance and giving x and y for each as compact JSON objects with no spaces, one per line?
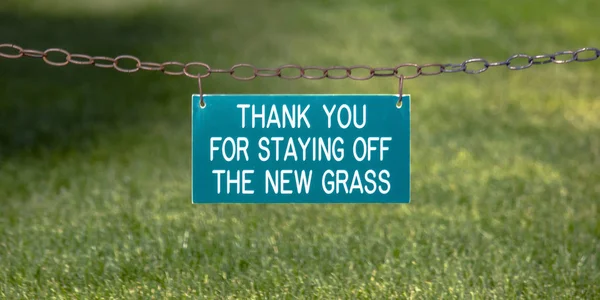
{"x":95,"y":164}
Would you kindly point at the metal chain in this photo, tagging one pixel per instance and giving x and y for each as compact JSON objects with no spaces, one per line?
{"x":203,"y":70}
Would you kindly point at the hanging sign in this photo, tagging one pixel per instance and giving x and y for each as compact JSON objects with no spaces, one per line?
{"x":300,"y":149}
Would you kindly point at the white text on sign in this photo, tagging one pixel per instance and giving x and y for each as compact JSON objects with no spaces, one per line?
{"x":301,"y":149}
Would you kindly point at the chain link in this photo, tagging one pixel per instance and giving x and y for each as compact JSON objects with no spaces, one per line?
{"x":199,"y":70}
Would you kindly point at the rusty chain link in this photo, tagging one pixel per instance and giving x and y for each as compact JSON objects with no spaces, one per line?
{"x":199,"y":70}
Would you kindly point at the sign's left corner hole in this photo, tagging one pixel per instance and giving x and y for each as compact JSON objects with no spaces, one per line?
{"x":202,"y":104}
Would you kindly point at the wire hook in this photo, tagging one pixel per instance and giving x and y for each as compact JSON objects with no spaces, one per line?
{"x":202,"y":104}
{"x":400,"y":86}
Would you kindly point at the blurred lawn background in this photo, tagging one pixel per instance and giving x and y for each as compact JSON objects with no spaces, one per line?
{"x":95,"y":164}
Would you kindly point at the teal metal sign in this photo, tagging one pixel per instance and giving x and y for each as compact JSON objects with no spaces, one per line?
{"x":300,"y":149}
